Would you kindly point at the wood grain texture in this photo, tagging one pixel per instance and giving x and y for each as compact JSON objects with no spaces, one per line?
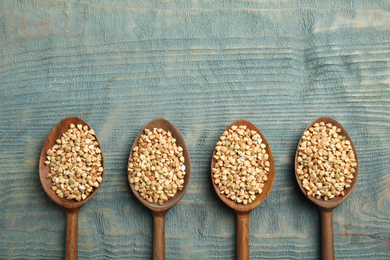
{"x":201,"y":65}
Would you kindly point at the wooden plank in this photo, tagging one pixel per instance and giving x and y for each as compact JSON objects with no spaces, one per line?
{"x":202,"y":66}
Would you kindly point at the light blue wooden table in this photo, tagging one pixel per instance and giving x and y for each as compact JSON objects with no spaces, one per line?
{"x":202,"y":65}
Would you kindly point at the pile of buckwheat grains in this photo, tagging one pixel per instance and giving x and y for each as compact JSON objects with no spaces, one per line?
{"x":326,"y":162}
{"x":75,"y":163}
{"x":157,"y":166}
{"x":241,"y":164}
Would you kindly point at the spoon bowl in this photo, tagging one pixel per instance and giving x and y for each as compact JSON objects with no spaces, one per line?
{"x":159,"y":211}
{"x":326,"y":207}
{"x":330,"y":204}
{"x":242,"y":211}
{"x":71,"y":206}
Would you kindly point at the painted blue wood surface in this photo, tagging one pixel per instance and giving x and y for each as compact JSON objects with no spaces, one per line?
{"x":202,"y":65}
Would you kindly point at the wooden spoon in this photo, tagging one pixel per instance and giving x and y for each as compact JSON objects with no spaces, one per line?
{"x":242,"y":211}
{"x":159,"y":211}
{"x":326,"y":207}
{"x":71,"y":206}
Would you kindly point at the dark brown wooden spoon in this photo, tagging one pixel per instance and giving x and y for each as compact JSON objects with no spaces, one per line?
{"x":242,"y":211}
{"x":71,"y":206}
{"x":159,"y":211}
{"x":326,"y":207}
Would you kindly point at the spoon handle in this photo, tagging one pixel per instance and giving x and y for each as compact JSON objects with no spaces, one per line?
{"x":242,"y":235}
{"x":327,"y":234}
{"x":72,"y":219}
{"x":159,"y":235}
